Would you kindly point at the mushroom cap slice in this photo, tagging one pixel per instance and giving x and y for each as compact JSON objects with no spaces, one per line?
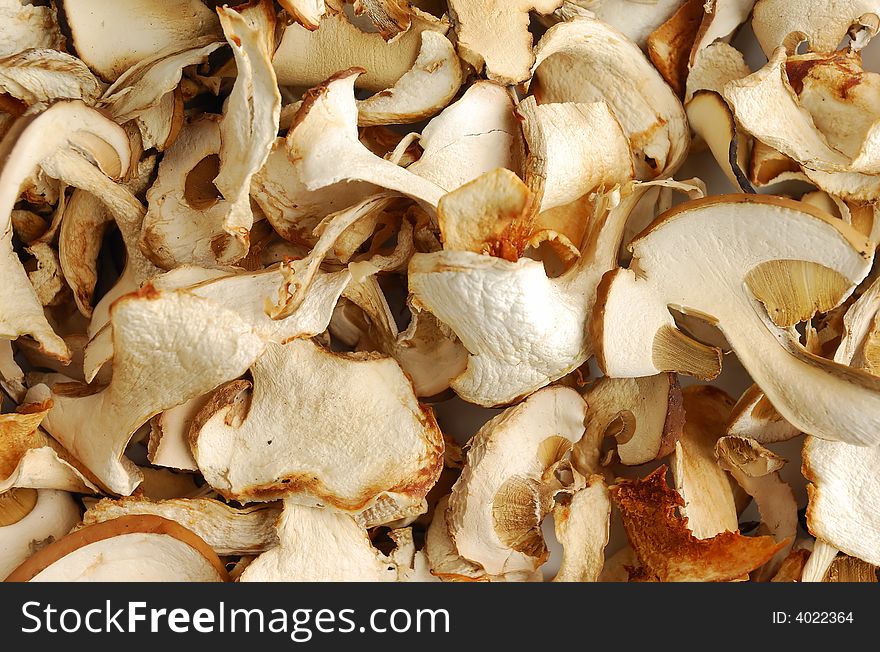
{"x":808,"y":262}
{"x":31,"y":519}
{"x":582,"y":529}
{"x":42,"y":75}
{"x":228,"y":530}
{"x":670,"y":45}
{"x":168,"y":347}
{"x":497,"y":504}
{"x":824,"y":23}
{"x":24,"y":26}
{"x":141,"y":548}
{"x":443,"y":558}
{"x":636,"y":20}
{"x":495,"y":33}
{"x":34,"y":141}
{"x":111,"y":36}
{"x":720,"y":21}
{"x":307,"y":13}
{"x":320,"y":545}
{"x":358,"y":440}
{"x":754,"y":417}
{"x":667,"y":549}
{"x":585,"y":61}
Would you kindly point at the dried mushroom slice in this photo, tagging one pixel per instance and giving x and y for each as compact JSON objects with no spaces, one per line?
{"x":31,"y":519}
{"x":168,"y":347}
{"x":582,"y":528}
{"x":635,"y":19}
{"x":228,"y":530}
{"x":850,"y":569}
{"x":495,"y":34}
{"x":80,"y":238}
{"x":307,"y":13}
{"x":824,"y":23}
{"x":307,"y":58}
{"x":703,"y":486}
{"x":105,"y":40}
{"x":24,"y":26}
{"x":711,"y":118}
{"x":670,"y":45}
{"x":42,"y":140}
{"x":392,"y":452}
{"x":811,"y":263}
{"x":320,"y":545}
{"x":507,"y":485}
{"x":585,"y":61}
{"x":42,"y":75}
{"x":715,"y":66}
{"x":140,"y":548}
{"x":168,"y":445}
{"x":644,"y":415}
{"x":721,"y":20}
{"x":666,"y":548}
{"x":421,"y":92}
{"x":443,"y":558}
{"x":754,"y":417}
{"x":31,"y":459}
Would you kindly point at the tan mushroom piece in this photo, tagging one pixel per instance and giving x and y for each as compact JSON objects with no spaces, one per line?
{"x":318,"y":545}
{"x":211,"y":165}
{"x":635,"y":19}
{"x":392,"y":451}
{"x":43,"y":140}
{"x":443,"y":558}
{"x":497,"y":505}
{"x":42,"y":75}
{"x":702,"y":484}
{"x":307,"y":58}
{"x":307,"y":13}
{"x":111,"y":36}
{"x":585,"y":61}
{"x":31,"y":459}
{"x":668,"y":551}
{"x":420,"y":93}
{"x":824,"y":23}
{"x":849,"y":569}
{"x":127,"y":549}
{"x":169,"y":436}
{"x":228,"y":530}
{"x":711,"y":118}
{"x":24,"y":26}
{"x":31,"y":519}
{"x":82,"y":231}
{"x":670,"y":45}
{"x":808,"y":262}
{"x":168,"y":347}
{"x":713,"y":67}
{"x":721,"y":20}
{"x":582,"y":529}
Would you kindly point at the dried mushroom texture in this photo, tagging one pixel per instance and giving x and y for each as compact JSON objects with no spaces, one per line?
{"x":666,"y":548}
{"x":670,"y":45}
{"x":582,"y":528}
{"x":850,"y":569}
{"x":721,"y":20}
{"x":808,"y":262}
{"x":508,"y":482}
{"x":31,"y":459}
{"x":715,"y":66}
{"x":634,"y":18}
{"x":644,"y":415}
{"x":104,"y":39}
{"x":711,"y":118}
{"x":443,"y":558}
{"x":31,"y":519}
{"x":307,"y":13}
{"x":754,"y":417}
{"x":140,"y":548}
{"x":423,"y":91}
{"x":495,"y":34}
{"x":306,"y":58}
{"x":52,"y":140}
{"x":586,"y":61}
{"x":24,"y":26}
{"x":702,"y":484}
{"x":228,"y":530}
{"x":392,"y":452}
{"x":168,"y":347}
{"x":320,"y":545}
{"x":43,"y":75}
{"x":824,"y":23}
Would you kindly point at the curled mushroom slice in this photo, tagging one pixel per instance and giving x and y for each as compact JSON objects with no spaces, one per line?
{"x":168,"y":347}
{"x":497,"y":505}
{"x":824,"y":23}
{"x":79,"y":243}
{"x":817,"y":259}
{"x":421,"y":92}
{"x":318,"y":545}
{"x":721,"y":20}
{"x":24,"y":25}
{"x":248,"y":451}
{"x":443,"y":558}
{"x":573,"y":149}
{"x":670,"y":45}
{"x":140,"y":548}
{"x":582,"y":529}
{"x":714,"y":67}
{"x":31,"y":459}
{"x":495,"y":34}
{"x":30,"y":520}
{"x":228,"y":530}
{"x":644,"y":415}
{"x":585,"y":60}
{"x":41,"y":140}
{"x":111,"y":37}
{"x":306,"y":58}
{"x":169,"y":436}
{"x":307,"y":13}
{"x":792,"y":567}
{"x":636,"y":20}
{"x":43,"y":75}
{"x":711,"y":119}
{"x":666,"y":548}
{"x":703,"y":486}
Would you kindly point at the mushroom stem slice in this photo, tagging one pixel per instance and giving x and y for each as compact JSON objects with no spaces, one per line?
{"x":582,"y":529}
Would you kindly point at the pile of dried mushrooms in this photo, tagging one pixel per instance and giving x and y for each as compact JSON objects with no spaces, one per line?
{"x":248,"y":251}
